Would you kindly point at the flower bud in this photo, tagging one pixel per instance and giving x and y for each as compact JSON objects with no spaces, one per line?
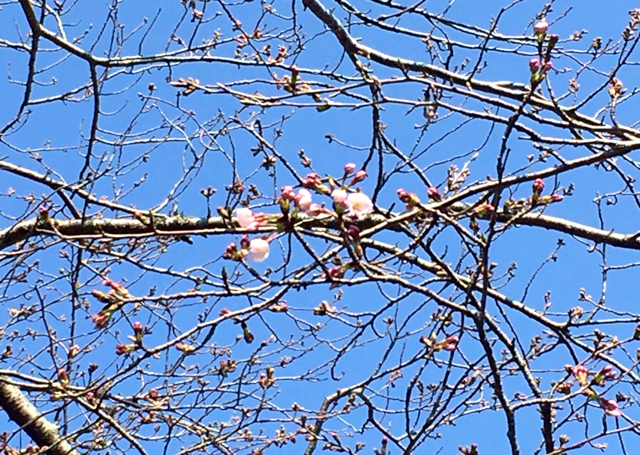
{"x":434,"y":194}
{"x":534,"y":65}
{"x":359,"y":177}
{"x":540,"y":29}
{"x":538,"y":186}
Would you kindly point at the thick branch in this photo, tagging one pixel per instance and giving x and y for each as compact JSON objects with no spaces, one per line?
{"x":23,"y":413}
{"x":182,"y":225}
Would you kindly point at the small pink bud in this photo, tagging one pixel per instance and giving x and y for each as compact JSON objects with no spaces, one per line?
{"x":548,"y":65}
{"x":349,"y":168}
{"x":538,"y":186}
{"x":137,"y":327}
{"x":581,"y":373}
{"x":541,"y":27}
{"x":434,"y":194}
{"x":287,"y":193}
{"x":450,"y":343}
{"x":534,"y":65}
{"x":359,"y":177}
{"x":101,"y":319}
{"x":610,"y":407}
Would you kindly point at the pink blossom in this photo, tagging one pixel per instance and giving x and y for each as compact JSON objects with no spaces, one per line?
{"x":349,"y":168}
{"x":316,"y":209}
{"x":548,"y":65}
{"x":359,"y":204}
{"x":303,"y":199}
{"x":246,"y":219}
{"x":258,"y":250}
{"x":339,"y":196}
{"x":610,"y":407}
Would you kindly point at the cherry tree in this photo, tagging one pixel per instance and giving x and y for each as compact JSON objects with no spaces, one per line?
{"x":363,"y":226}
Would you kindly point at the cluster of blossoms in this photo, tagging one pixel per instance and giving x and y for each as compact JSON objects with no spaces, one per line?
{"x":345,"y":201}
{"x":540,"y":66}
{"x":537,"y":199}
{"x":598,"y":379}
{"x":113,"y":300}
{"x":138,"y":333}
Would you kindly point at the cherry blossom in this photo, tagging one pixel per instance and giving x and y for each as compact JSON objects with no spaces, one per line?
{"x":359,"y":204}
{"x":246,"y":219}
{"x":303,"y":199}
{"x":339,"y":196}
{"x":258,"y":250}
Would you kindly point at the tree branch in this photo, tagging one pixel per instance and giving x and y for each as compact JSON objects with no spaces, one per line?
{"x":21,"y":411}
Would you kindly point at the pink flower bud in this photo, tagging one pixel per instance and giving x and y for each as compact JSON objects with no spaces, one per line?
{"x":359,"y":177}
{"x":137,"y":326}
{"x":610,"y":407}
{"x":287,"y":193}
{"x":349,"y":168}
{"x":548,"y":65}
{"x":534,"y":65}
{"x":434,"y":194}
{"x":541,"y":27}
{"x":538,"y":186}
{"x":450,"y":343}
{"x":581,"y":373}
{"x":101,"y":319}
{"x":411,"y":199}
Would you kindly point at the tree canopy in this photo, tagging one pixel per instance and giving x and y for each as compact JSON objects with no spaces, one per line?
{"x":369,"y":226}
